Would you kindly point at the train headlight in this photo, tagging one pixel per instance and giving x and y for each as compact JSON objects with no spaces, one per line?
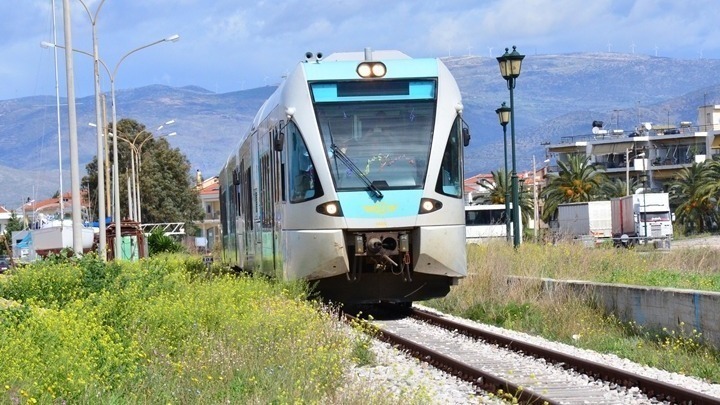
{"x":330,"y":208}
{"x":428,"y":205}
{"x":364,"y":70}
{"x":378,"y":70}
{"x":371,"y":69}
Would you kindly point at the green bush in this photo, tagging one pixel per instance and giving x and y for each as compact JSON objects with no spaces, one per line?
{"x":158,"y":242}
{"x":152,"y":331}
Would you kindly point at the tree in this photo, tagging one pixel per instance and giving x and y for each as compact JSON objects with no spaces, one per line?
{"x":613,"y":188}
{"x":501,"y":186}
{"x":167,"y":190}
{"x":577,"y":181}
{"x":694,"y":194}
{"x":166,"y":185}
{"x":14,"y":224}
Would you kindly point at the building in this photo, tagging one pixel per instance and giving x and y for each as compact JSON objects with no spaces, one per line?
{"x":5,"y":216}
{"x":209,"y":193}
{"x":653,"y":152}
{"x":477,"y":187}
{"x":48,"y":211}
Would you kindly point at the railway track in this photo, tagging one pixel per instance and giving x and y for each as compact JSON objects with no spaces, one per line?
{"x":522,"y":371}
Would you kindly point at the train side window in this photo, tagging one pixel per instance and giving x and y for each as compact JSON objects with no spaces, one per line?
{"x":449,"y":181}
{"x":303,"y":183}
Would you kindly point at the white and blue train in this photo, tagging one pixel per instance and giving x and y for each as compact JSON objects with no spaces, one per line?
{"x":351,"y":177}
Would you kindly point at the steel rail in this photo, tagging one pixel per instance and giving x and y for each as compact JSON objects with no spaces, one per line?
{"x":652,"y":388}
{"x":481,"y":379}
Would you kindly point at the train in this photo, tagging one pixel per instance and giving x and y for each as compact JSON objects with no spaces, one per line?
{"x":351,"y":177}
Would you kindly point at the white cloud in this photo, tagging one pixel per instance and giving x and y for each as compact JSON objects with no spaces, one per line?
{"x":226,"y":42}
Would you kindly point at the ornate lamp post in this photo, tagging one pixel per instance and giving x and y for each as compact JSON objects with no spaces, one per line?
{"x":504,"y":115}
{"x":510,"y":64}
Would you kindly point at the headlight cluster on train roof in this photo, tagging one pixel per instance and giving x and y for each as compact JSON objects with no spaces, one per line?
{"x":371,"y":69}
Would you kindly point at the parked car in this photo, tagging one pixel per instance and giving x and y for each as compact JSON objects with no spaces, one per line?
{"x":4,"y":264}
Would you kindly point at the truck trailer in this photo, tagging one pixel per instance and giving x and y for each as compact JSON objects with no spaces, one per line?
{"x":581,"y":219}
{"x":642,"y":217}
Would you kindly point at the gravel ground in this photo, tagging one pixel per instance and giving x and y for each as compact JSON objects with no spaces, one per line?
{"x":410,"y":380}
{"x":712,"y":242}
{"x":403,"y":375}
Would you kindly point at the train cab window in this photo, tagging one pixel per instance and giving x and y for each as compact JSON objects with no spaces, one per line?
{"x":303,"y":183}
{"x":386,"y":143}
{"x":450,"y":179}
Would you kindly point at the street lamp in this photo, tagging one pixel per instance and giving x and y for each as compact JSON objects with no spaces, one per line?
{"x":627,"y":168}
{"x":135,"y":161}
{"x":138,"y":156}
{"x":504,"y":115}
{"x":116,"y":186}
{"x":99,"y":132}
{"x":510,"y":64}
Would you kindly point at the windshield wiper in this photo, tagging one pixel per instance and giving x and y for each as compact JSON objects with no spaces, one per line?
{"x":350,"y":165}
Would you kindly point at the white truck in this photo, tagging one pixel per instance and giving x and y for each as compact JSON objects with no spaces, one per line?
{"x":585,"y":219}
{"x":642,"y":217}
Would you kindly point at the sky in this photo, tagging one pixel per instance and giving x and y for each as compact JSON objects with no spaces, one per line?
{"x":231,"y":45}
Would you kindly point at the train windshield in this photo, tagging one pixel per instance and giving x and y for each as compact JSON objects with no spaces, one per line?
{"x":382,"y":144}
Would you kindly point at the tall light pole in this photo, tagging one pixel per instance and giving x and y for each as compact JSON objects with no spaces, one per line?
{"x":138,"y":156}
{"x":504,"y":115}
{"x":535,"y":203}
{"x":116,"y":181}
{"x":72,"y":125}
{"x":116,"y":186}
{"x":99,"y":134}
{"x":510,"y":64}
{"x":101,"y":142}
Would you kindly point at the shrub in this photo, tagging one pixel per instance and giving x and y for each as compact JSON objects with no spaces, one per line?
{"x":153,"y":331}
{"x":158,"y":242}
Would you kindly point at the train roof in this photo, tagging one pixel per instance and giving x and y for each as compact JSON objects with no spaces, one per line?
{"x":376,"y":55}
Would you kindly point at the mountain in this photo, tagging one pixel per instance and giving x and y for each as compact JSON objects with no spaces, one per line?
{"x":555,"y":96}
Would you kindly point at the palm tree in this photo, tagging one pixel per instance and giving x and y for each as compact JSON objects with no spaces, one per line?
{"x":577,"y":181}
{"x":500,"y":186}
{"x":616,"y":187}
{"x":694,"y":194}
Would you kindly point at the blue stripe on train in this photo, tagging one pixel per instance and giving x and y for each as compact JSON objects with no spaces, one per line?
{"x":394,"y":204}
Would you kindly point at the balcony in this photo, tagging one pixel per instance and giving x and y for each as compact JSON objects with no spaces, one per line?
{"x":212,"y":216}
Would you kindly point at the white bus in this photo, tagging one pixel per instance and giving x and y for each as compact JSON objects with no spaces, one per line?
{"x":486,"y":222}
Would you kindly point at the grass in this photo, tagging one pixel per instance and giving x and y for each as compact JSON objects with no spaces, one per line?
{"x":166,"y":330}
{"x":486,"y":296}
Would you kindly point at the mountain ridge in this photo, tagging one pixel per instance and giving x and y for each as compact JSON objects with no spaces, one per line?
{"x":555,"y":96}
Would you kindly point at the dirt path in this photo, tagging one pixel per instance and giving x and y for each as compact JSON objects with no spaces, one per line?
{"x":712,"y":242}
